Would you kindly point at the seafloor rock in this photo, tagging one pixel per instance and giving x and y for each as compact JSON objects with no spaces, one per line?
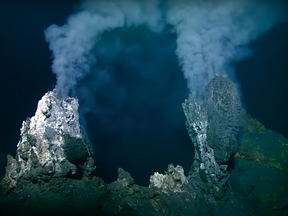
{"x":53,"y":146}
{"x":168,"y":194}
{"x":174,"y":179}
{"x":260,"y":170}
{"x":66,"y":196}
{"x":124,"y":178}
{"x":206,"y":175}
{"x":223,"y":111}
{"x":51,"y":143}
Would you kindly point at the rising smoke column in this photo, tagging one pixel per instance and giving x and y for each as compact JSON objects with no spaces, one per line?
{"x":73,"y":42}
{"x":211,"y":35}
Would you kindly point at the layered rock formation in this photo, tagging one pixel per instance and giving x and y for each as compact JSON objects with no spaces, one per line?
{"x":51,"y":143}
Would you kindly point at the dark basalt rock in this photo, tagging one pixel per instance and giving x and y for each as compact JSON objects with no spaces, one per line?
{"x":223,"y":110}
{"x":75,"y":150}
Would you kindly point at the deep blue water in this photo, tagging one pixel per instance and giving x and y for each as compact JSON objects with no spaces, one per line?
{"x":142,"y":129}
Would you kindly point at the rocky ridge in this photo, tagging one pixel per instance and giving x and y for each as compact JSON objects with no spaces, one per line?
{"x":52,"y":149}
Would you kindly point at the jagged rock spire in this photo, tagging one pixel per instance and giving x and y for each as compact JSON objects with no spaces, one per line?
{"x":51,"y":143}
{"x":213,"y":127}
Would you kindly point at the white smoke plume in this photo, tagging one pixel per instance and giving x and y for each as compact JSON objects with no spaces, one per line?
{"x":211,"y":35}
{"x":72,"y":43}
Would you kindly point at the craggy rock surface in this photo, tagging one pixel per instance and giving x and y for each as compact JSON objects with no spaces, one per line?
{"x":65,"y":196}
{"x":257,"y":183}
{"x":173,"y":180}
{"x":209,"y":178}
{"x":51,"y":143}
{"x":223,"y":111}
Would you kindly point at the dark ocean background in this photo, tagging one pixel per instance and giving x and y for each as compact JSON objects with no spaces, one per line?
{"x":140,"y":125}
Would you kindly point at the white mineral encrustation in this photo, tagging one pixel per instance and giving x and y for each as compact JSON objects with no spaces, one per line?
{"x":173,"y":180}
{"x":51,"y":143}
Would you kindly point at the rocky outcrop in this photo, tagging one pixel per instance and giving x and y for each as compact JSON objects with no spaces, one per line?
{"x":223,"y":112}
{"x":124,"y":178}
{"x":213,"y":127}
{"x":66,"y":196}
{"x":261,"y":167}
{"x":206,"y":175}
{"x":51,"y":143}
